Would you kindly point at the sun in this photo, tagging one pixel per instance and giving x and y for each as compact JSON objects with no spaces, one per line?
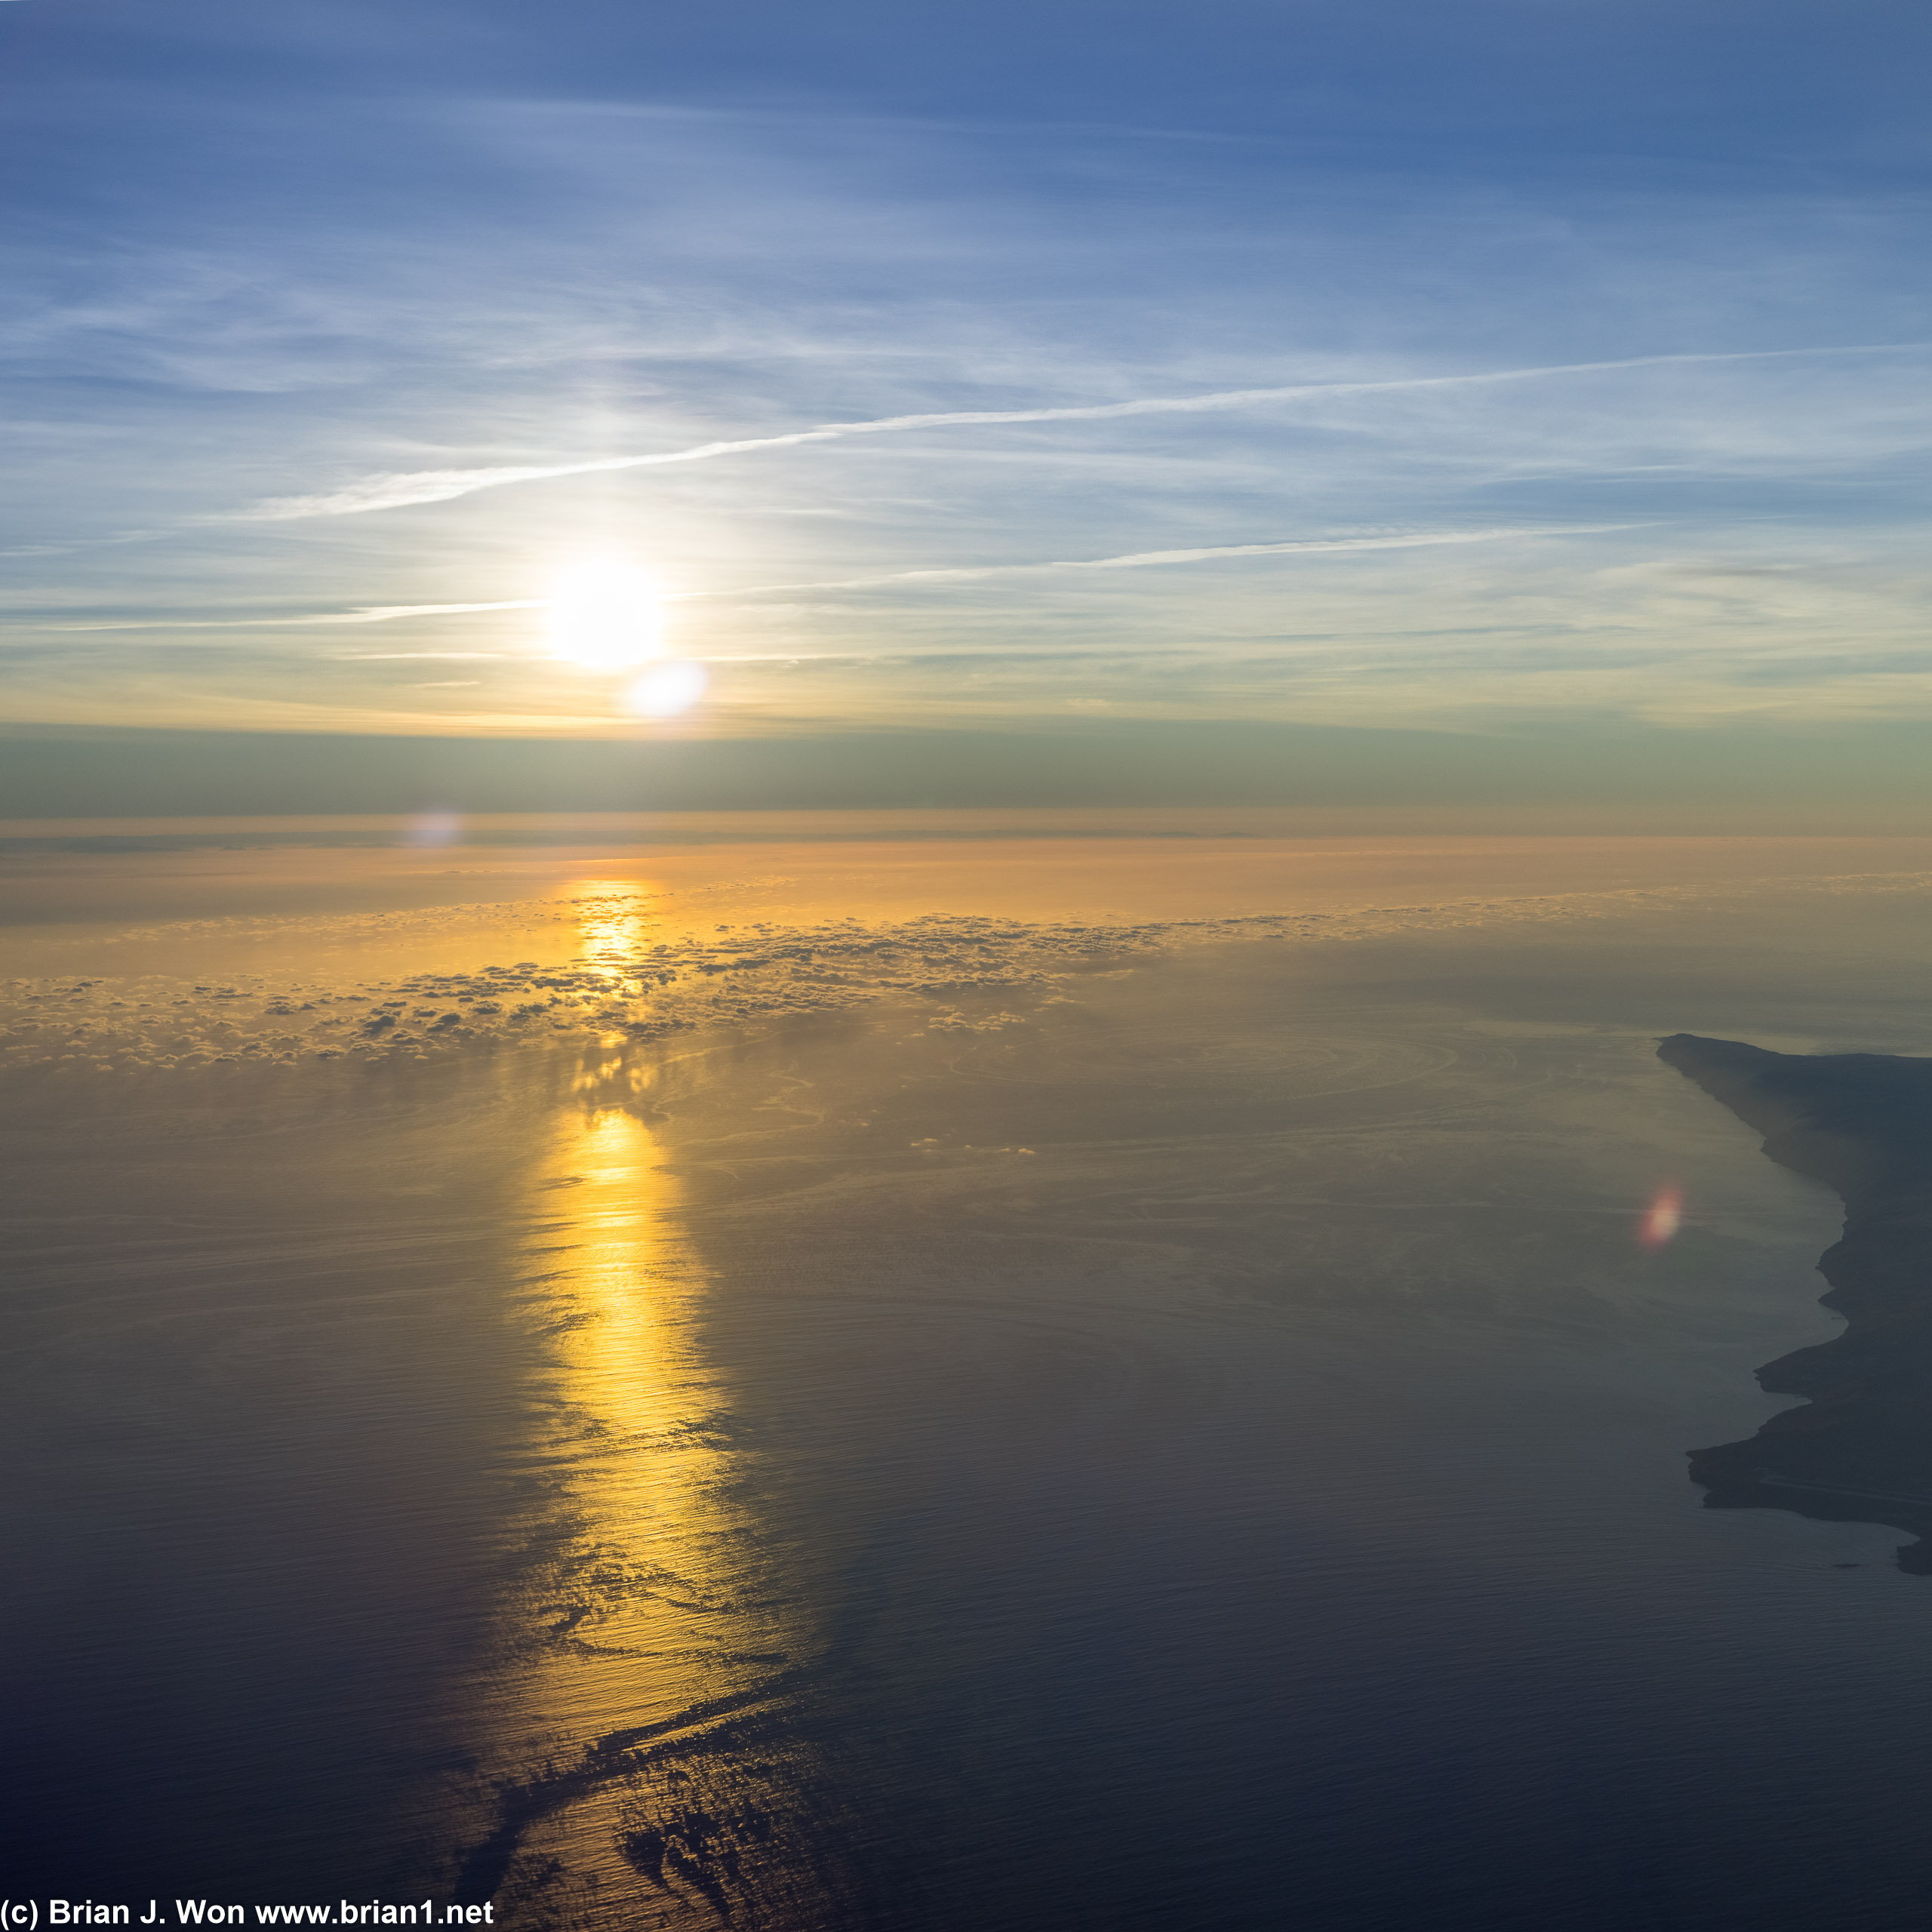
{"x":606,"y":616}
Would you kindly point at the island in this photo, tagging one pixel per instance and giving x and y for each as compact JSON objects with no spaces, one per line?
{"x":1861,"y":1448}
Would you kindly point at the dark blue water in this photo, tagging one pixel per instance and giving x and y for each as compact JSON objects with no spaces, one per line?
{"x":1196,"y":1448}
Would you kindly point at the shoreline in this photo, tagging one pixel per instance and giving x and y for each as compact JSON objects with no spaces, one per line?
{"x":1862,"y":1124}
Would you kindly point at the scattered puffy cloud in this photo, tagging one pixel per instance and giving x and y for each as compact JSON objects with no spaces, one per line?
{"x":972,"y":977}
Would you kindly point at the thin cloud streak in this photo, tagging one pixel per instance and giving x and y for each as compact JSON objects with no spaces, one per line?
{"x":1133,"y":560}
{"x":380,"y":613}
{"x":398,"y":490}
{"x":1140,"y":559}
{"x":383,"y":613}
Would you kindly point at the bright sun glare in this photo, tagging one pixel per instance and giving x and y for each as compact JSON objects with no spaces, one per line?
{"x":606,"y":616}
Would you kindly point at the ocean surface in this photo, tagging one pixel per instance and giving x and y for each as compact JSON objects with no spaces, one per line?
{"x":934,"y":1373}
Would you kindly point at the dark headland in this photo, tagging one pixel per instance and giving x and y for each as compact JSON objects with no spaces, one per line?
{"x":1861,"y":1451}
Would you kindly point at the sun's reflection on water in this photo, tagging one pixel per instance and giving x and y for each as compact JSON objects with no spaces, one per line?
{"x":615,"y":919}
{"x":642,"y":1583}
{"x":650,"y":1771}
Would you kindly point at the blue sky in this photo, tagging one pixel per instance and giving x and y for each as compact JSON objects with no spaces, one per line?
{"x":1599,"y":336}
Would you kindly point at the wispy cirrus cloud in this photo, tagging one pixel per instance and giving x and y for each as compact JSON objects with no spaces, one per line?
{"x":1196,"y":554}
{"x":1134,"y":560}
{"x":399,"y":489}
{"x":1228,"y":424}
{"x":372,"y":613}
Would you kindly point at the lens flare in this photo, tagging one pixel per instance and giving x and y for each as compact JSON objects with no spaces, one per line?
{"x":1663,"y":1217}
{"x":433,"y":828}
{"x":606,"y":617}
{"x":666,"y":690}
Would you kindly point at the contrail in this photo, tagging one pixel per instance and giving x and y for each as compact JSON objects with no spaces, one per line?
{"x":381,"y":614}
{"x":1139,"y":559}
{"x":384,"y":614}
{"x":396,"y":490}
{"x":367,"y":613}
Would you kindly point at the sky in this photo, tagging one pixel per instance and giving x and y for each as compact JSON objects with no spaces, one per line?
{"x":1521,"y":370}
